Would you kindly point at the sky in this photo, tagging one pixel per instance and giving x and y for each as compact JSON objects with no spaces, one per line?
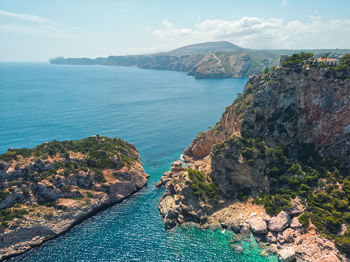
{"x":37,"y":30}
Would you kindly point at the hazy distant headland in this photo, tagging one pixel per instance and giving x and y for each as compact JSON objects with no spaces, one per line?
{"x":205,"y":60}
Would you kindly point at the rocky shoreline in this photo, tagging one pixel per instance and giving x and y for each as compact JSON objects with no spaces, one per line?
{"x":42,"y":199}
{"x":281,"y":235}
{"x":266,"y":168}
{"x":17,"y":250}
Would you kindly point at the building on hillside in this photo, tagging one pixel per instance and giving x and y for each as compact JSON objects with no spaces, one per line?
{"x":327,"y":61}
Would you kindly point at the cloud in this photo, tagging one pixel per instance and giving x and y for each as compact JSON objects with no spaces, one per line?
{"x":28,"y":24}
{"x":170,"y":31}
{"x":284,"y":3}
{"x":255,"y":32}
{"x":27,"y":17}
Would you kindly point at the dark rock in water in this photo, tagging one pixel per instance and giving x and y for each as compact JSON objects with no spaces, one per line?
{"x":239,"y":249}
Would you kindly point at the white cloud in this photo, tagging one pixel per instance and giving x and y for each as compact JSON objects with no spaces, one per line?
{"x":28,"y":24}
{"x":284,"y":3}
{"x":171,"y":31}
{"x":27,"y":17}
{"x":255,"y":32}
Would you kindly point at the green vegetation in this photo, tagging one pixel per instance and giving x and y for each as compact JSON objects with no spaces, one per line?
{"x":318,"y":183}
{"x":345,"y":60}
{"x":298,"y":59}
{"x":201,"y":185}
{"x":97,"y":153}
{"x":8,"y":214}
{"x":343,"y":242}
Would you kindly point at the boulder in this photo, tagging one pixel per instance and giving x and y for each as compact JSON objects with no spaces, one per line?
{"x":295,"y":223}
{"x":245,"y":231}
{"x":288,"y":235}
{"x":280,"y":222}
{"x":258,"y":225}
{"x":287,"y":254}
{"x":234,"y":224}
{"x":237,"y":248}
{"x":271,"y":237}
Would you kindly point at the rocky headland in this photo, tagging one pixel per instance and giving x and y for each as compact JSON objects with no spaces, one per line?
{"x":204,"y":60}
{"x":46,"y":190}
{"x":276,"y":166}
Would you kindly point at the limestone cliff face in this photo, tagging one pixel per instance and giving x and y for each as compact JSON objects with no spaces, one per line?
{"x":288,"y":107}
{"x":46,"y":190}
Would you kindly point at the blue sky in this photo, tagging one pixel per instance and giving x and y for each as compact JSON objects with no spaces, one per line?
{"x":37,"y":30}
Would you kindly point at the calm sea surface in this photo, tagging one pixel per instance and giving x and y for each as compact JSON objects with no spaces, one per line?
{"x":159,"y":111}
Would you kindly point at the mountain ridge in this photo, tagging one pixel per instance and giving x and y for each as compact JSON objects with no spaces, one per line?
{"x":220,"y":59}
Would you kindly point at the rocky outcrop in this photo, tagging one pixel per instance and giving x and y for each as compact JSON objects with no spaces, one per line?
{"x":280,"y":222}
{"x":289,"y":115}
{"x":43,"y":198}
{"x":258,"y":225}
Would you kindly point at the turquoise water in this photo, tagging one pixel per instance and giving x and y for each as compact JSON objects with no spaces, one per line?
{"x":159,"y":111}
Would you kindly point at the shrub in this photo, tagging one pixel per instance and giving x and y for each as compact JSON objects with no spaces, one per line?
{"x":248,"y":152}
{"x":304,"y":219}
{"x":201,"y":186}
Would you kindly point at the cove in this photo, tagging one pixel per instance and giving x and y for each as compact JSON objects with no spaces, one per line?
{"x":159,"y":111}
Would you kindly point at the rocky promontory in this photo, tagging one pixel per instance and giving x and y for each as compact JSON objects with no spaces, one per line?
{"x":46,"y":190}
{"x":204,"y":60}
{"x":276,"y":166}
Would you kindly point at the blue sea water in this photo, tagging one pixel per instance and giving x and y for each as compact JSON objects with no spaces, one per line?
{"x":159,"y":111}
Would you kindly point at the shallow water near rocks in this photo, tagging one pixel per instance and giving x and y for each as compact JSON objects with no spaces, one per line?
{"x":159,"y":111}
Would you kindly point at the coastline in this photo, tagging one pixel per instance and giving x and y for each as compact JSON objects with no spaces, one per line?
{"x":78,"y":221}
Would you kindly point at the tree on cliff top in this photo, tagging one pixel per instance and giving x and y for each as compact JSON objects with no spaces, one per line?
{"x":345,"y":60}
{"x":297,"y":59}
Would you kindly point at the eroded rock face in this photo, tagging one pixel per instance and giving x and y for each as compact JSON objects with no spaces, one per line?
{"x":288,"y":108}
{"x":178,"y":204}
{"x":293,"y":107}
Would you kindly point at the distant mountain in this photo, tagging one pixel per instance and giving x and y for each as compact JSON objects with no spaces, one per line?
{"x":204,"y":48}
{"x":206,"y":60}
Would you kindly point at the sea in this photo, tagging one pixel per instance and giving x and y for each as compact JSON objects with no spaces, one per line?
{"x":159,"y":111}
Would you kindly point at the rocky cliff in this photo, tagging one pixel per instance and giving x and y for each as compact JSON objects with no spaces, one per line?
{"x":46,"y":190}
{"x":276,"y":165}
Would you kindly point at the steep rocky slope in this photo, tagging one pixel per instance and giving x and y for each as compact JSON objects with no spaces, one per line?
{"x":275,"y":165}
{"x":48,"y":189}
